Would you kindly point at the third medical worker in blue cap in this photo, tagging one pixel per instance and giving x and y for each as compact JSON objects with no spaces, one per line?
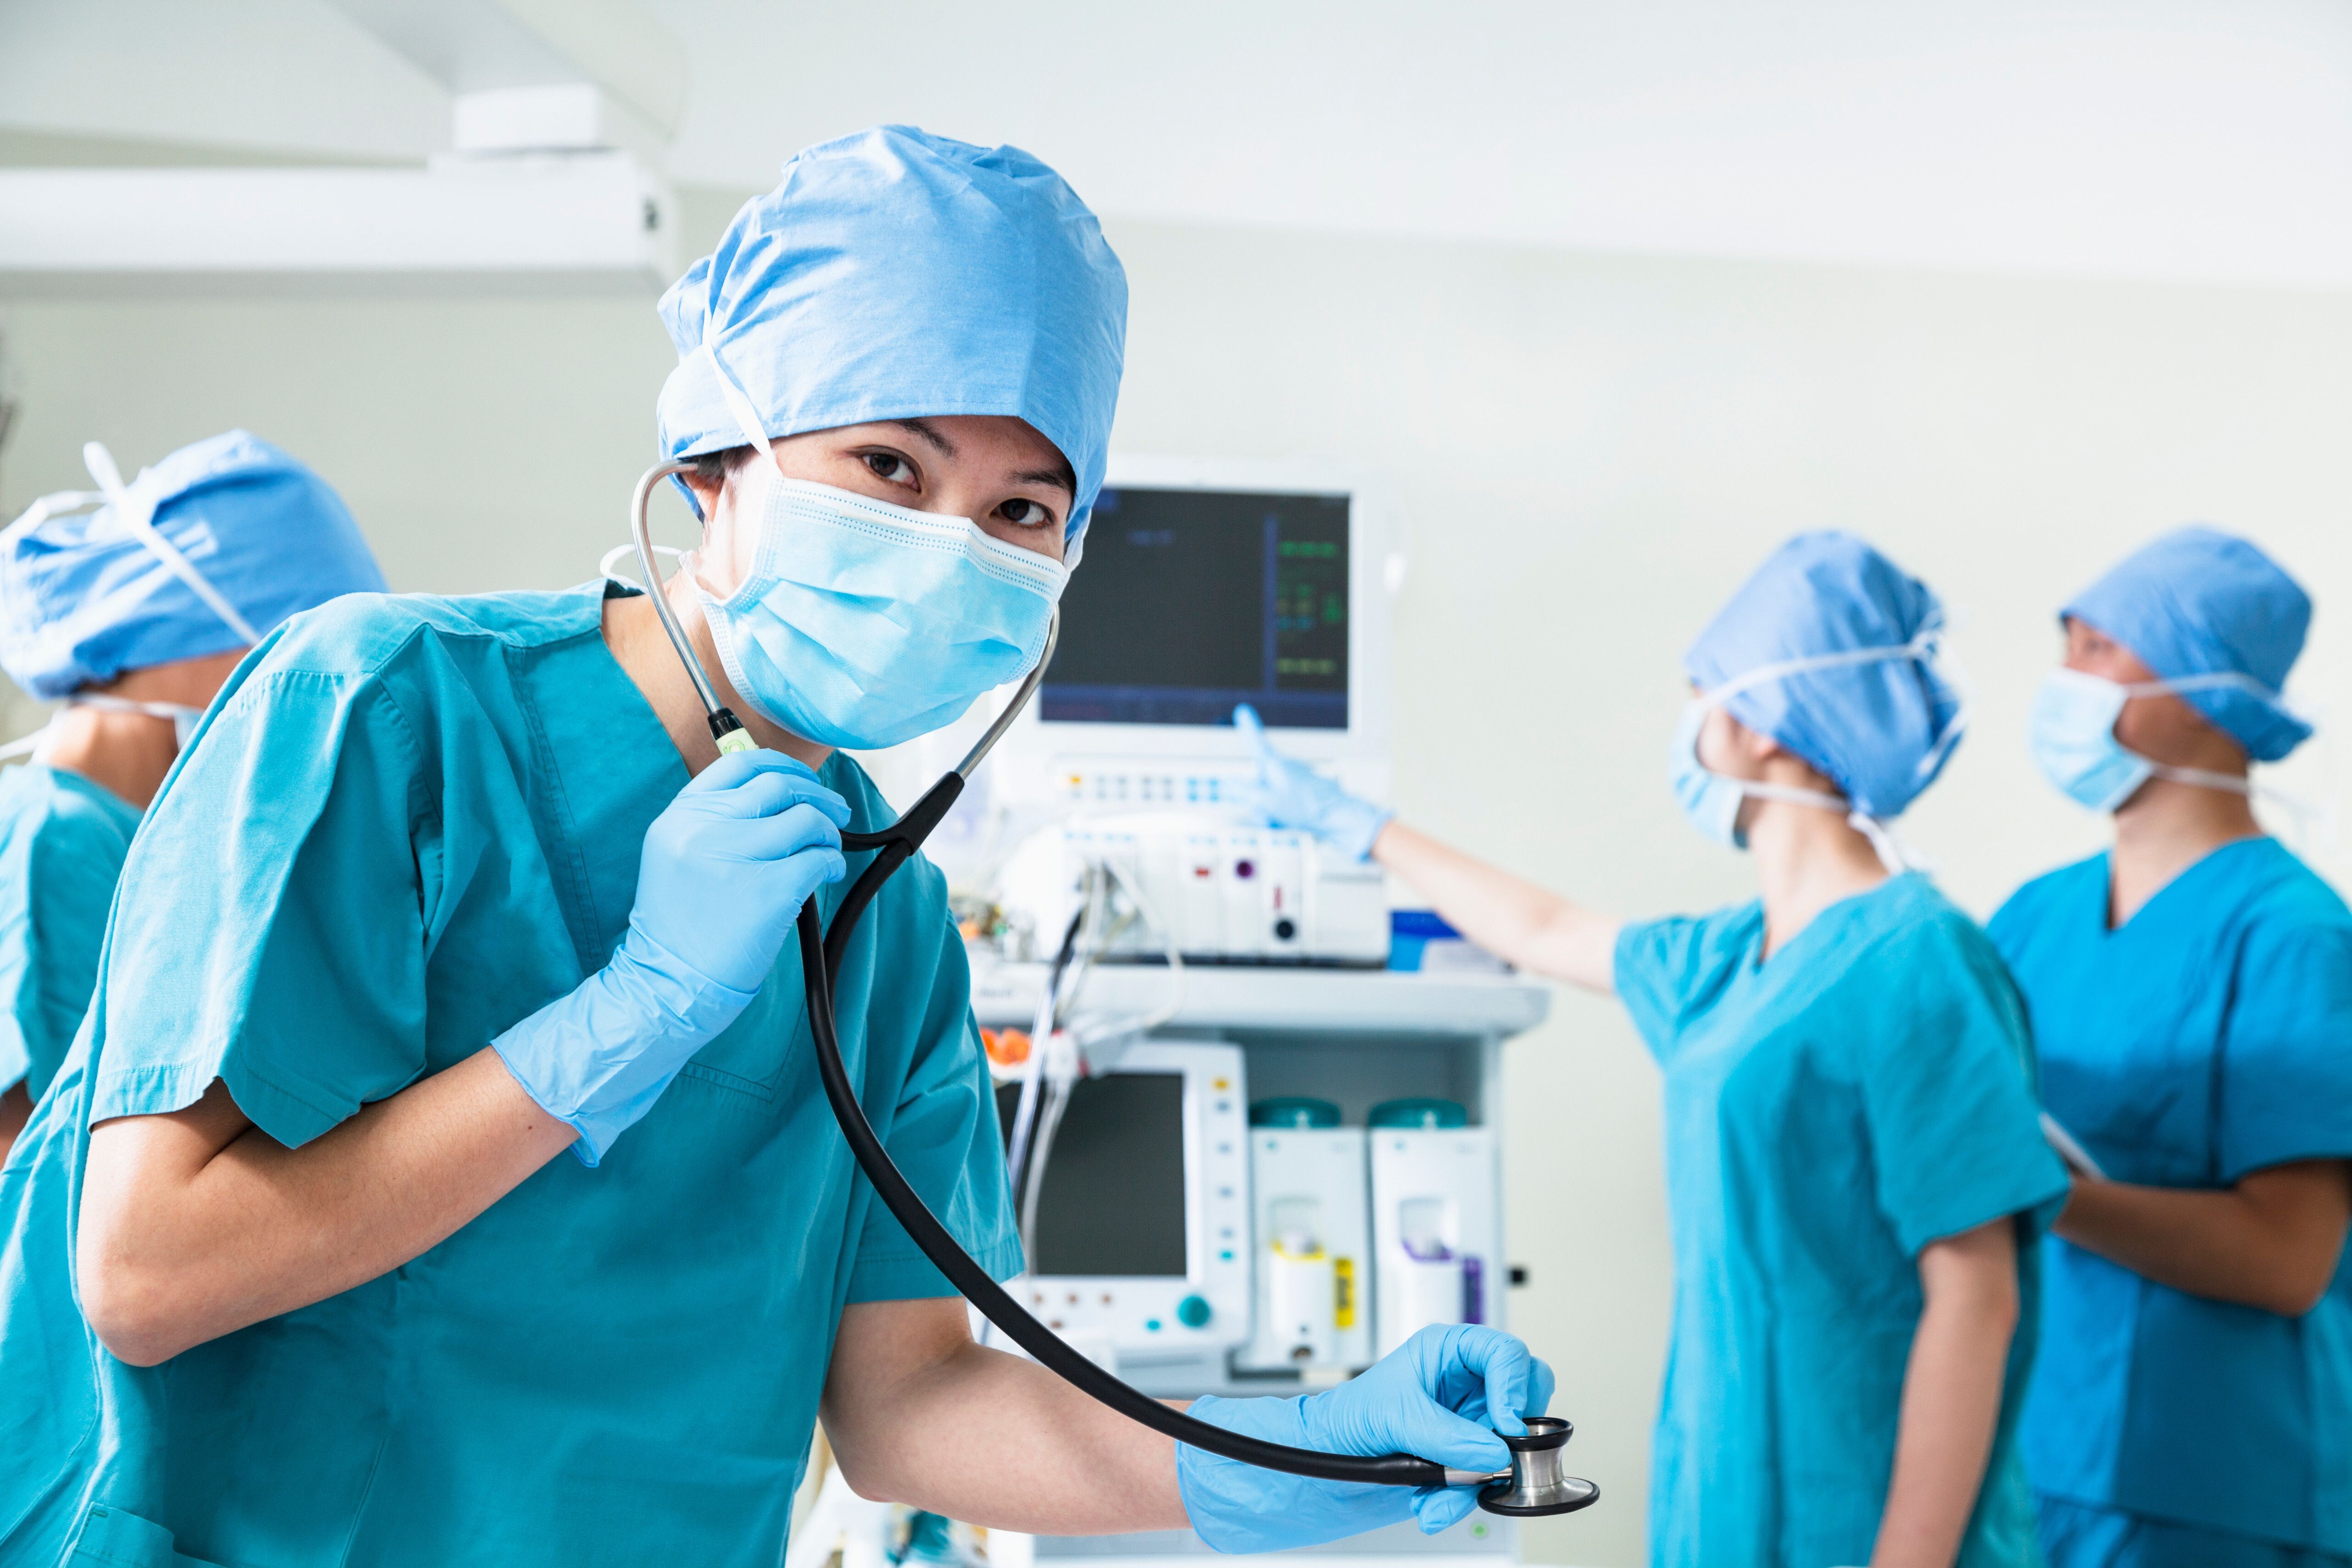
{"x":442,"y":1174}
{"x":131,"y":603}
{"x":1853,"y":1169}
{"x":2191,"y":999}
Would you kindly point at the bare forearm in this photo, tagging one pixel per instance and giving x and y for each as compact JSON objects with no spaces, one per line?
{"x":15,"y":1109}
{"x":981,"y":1436}
{"x":198,"y":1223}
{"x":1533,"y":927}
{"x":2272,"y":1241}
{"x":1951,"y":1400}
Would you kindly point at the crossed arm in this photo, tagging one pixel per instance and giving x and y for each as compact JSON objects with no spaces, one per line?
{"x":197,"y":1223}
{"x":2272,"y":1241}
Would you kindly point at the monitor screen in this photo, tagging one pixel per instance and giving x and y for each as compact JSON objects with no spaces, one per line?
{"x":1190,"y":601}
{"x":1113,"y":1202}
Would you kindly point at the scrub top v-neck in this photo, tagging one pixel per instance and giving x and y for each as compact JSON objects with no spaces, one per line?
{"x":2207,"y":1038}
{"x":411,"y":822}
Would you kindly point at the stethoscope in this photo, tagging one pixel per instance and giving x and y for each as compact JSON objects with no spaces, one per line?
{"x":1535,"y":1484}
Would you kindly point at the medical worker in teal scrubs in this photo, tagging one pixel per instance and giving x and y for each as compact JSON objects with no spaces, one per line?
{"x":1853,"y":1169}
{"x":2191,"y":999}
{"x":103,"y":605}
{"x":442,"y":1174}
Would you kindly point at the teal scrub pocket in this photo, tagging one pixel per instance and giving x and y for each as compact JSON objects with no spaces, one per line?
{"x":109,"y":1535}
{"x":749,"y":1055}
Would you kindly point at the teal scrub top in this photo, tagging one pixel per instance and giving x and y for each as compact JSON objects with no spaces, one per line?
{"x":2208,"y":1037}
{"x":62,"y":840}
{"x":409,"y":823}
{"x":1829,"y":1112}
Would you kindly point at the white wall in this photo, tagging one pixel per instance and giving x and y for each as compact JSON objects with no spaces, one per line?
{"x":1593,"y":451}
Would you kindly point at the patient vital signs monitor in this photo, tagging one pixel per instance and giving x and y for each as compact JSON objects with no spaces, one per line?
{"x":1205,"y":584}
{"x":1194,"y":600}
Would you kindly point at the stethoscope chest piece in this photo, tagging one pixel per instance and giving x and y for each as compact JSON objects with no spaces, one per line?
{"x":1537,"y":1485}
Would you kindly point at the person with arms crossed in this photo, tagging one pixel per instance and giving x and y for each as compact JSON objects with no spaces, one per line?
{"x":2191,"y":997}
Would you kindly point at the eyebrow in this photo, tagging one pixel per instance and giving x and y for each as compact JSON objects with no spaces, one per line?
{"x":928,"y":432}
{"x":1064,"y":477}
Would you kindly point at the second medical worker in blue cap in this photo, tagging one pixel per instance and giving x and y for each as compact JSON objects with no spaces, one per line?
{"x":442,"y":1175}
{"x":1853,"y":1169}
{"x":2191,"y":999}
{"x":131,"y":603}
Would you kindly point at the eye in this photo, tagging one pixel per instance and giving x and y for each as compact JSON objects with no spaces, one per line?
{"x":892,"y":468}
{"x":1022,"y":513}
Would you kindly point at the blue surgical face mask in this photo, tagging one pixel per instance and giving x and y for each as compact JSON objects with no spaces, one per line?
{"x":1712,"y":800}
{"x":2074,"y":740}
{"x":860,"y":624}
{"x":2075,"y":744}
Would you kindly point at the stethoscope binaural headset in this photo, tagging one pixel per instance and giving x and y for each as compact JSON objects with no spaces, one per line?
{"x":1535,"y":1484}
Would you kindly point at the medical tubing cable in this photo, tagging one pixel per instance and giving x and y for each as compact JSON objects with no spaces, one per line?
{"x":1024,"y":1112}
{"x":1049,"y":1127}
{"x":1037,"y":1147}
{"x":1173,"y":1003}
{"x":1100,"y":874}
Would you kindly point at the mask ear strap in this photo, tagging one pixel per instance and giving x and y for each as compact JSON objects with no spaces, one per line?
{"x":134,"y":515}
{"x":604,"y":568}
{"x":25,"y":745}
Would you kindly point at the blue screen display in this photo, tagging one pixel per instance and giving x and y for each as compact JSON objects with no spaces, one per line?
{"x":1191,"y":601}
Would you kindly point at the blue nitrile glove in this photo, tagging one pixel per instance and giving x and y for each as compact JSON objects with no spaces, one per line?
{"x":1289,"y":793}
{"x":1440,"y":1396}
{"x":725,"y":868}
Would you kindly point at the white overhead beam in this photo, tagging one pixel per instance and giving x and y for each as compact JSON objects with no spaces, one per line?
{"x":478,"y":45}
{"x":597,"y":220}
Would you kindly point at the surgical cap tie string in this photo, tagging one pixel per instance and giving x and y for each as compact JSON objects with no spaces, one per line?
{"x":1927,"y":648}
{"x":136,"y":515}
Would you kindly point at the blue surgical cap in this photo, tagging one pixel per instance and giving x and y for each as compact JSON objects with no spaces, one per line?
{"x":2201,"y":601}
{"x":895,"y":275}
{"x":1880,"y":730}
{"x":84,"y":598}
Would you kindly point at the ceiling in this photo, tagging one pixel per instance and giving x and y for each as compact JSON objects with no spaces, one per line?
{"x":2200,"y":139}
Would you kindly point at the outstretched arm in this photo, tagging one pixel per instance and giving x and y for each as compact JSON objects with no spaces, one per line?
{"x":917,"y":1414}
{"x":1531,"y":927}
{"x":197,"y":1223}
{"x":1515,"y":919}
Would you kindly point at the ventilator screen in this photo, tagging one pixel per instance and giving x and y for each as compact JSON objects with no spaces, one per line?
{"x":1113,"y":1202}
{"x":1190,"y":601}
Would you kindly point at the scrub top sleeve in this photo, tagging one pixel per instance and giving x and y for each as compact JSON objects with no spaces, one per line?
{"x":1948,"y":1094}
{"x":2287,"y":1053}
{"x":270,"y":932}
{"x":1666,"y":970}
{"x":944,"y":1137}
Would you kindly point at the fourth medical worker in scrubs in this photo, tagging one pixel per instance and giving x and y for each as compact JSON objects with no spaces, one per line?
{"x":2191,"y":992}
